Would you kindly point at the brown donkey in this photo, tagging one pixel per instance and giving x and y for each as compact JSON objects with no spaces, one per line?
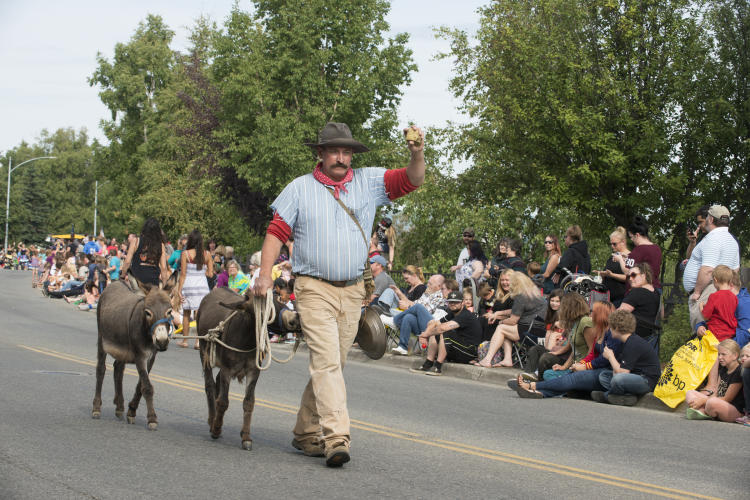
{"x":239,"y":332}
{"x":132,"y":328}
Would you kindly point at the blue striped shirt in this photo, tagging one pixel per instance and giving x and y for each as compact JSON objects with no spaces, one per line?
{"x":327,"y":242}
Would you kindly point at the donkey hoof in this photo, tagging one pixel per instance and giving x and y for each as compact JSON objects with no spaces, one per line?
{"x":131,"y":420}
{"x":247,"y":445}
{"x":152,"y":426}
{"x":118,"y":414}
{"x":96,"y":414}
{"x":215,"y":435}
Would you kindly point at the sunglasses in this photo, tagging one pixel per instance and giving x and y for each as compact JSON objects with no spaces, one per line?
{"x":612,"y":244}
{"x":468,"y":235}
{"x":633,"y":275}
{"x":548,"y":242}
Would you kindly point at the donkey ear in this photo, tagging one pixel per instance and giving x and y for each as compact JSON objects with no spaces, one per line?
{"x":234,"y":305}
{"x":170,"y":283}
{"x":145,"y":287}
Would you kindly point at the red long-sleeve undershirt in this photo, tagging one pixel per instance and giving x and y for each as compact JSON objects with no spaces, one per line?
{"x":396,"y":182}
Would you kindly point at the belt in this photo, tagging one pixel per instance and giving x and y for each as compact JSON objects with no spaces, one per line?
{"x":337,"y":284}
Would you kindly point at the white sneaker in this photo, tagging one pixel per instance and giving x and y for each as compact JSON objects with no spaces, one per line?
{"x":400,"y":351}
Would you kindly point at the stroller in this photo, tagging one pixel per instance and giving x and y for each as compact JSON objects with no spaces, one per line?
{"x":586,"y":286}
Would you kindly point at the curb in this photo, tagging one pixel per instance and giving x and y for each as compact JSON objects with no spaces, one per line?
{"x":497,"y":376}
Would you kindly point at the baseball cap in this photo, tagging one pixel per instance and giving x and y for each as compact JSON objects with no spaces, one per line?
{"x":469,"y":230}
{"x":718,"y":211}
{"x":454,"y":297}
{"x":378,"y":259}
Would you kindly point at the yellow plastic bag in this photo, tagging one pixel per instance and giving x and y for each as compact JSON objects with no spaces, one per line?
{"x":686,"y":370}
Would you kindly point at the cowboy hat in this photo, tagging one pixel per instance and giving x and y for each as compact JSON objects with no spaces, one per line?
{"x":337,"y":134}
{"x":371,"y":335}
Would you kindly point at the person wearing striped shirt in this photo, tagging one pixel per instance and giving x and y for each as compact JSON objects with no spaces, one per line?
{"x":328,"y":262}
{"x":716,"y":248}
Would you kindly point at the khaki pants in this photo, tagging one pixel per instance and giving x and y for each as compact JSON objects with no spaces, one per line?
{"x":694,"y":306}
{"x":330,"y":318}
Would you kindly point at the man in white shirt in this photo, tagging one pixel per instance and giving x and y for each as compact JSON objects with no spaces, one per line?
{"x":463,"y":257}
{"x":717,"y":247}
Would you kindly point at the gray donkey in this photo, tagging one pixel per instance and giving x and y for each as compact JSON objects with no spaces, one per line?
{"x":132,"y":328}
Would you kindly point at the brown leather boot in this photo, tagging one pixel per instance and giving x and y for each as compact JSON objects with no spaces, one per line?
{"x":309,"y":448}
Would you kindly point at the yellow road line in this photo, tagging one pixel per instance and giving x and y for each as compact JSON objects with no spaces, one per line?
{"x":417,"y":438}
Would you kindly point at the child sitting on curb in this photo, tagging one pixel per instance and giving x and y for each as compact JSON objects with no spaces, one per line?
{"x":722,"y":398}
{"x":634,"y":372}
{"x":745,"y":362}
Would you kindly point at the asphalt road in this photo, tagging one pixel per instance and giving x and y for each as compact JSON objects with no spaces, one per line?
{"x":413,"y":436}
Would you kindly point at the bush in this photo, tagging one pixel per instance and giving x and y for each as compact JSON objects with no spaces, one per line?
{"x":676,"y":332}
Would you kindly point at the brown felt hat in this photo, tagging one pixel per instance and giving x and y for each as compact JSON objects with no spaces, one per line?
{"x":337,"y":134}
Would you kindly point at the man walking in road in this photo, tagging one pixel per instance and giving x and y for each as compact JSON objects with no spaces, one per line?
{"x":326,"y":211}
{"x":717,"y":247}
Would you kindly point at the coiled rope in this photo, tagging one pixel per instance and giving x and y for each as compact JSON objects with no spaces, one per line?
{"x":265,"y":313}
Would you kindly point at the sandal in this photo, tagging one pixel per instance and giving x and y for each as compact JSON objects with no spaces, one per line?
{"x":524,"y":390}
{"x":528,"y":394}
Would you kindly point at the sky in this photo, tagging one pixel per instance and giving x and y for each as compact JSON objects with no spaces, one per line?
{"x":48,"y":50}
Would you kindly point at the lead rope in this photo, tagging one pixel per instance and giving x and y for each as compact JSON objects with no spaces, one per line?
{"x":265,"y":313}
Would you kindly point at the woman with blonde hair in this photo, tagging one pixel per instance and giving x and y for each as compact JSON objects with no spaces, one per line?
{"x":613,"y":276}
{"x":415,"y":280}
{"x":526,"y":318}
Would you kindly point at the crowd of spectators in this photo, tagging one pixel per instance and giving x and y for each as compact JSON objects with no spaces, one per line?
{"x":505,"y":311}
{"x":492,"y":312}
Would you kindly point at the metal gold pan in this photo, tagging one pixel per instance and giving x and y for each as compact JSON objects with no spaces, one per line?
{"x":371,"y":335}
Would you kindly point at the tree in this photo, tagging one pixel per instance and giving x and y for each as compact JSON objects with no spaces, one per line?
{"x":49,"y":196}
{"x":130,"y":88}
{"x":577,"y":101}
{"x":292,"y":66}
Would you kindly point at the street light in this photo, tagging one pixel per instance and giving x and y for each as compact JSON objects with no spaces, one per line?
{"x":11,"y":168}
{"x":96,"y":201}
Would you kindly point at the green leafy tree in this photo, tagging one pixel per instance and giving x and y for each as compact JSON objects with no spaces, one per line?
{"x":292,"y":66}
{"x":576,"y":101}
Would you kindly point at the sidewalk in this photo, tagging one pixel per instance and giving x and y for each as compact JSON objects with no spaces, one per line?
{"x":498,"y":376}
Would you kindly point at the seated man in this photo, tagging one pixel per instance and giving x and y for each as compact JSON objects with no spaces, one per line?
{"x":634,"y":372}
{"x":415,"y":318}
{"x":383,"y":281}
{"x":453,"y":338}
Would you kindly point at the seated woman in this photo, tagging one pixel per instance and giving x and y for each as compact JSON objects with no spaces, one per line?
{"x":394,"y":298}
{"x":723,"y":397}
{"x":526,"y":318}
{"x":552,"y":337}
{"x":584,"y":375}
{"x":414,"y":320}
{"x":642,"y":300}
{"x":237,"y":280}
{"x":575,"y":320}
{"x":501,"y":306}
{"x":474,"y":267}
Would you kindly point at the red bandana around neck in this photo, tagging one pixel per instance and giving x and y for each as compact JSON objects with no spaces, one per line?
{"x":327,"y":181}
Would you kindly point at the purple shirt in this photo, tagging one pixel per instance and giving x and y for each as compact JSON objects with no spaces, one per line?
{"x":222,"y":280}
